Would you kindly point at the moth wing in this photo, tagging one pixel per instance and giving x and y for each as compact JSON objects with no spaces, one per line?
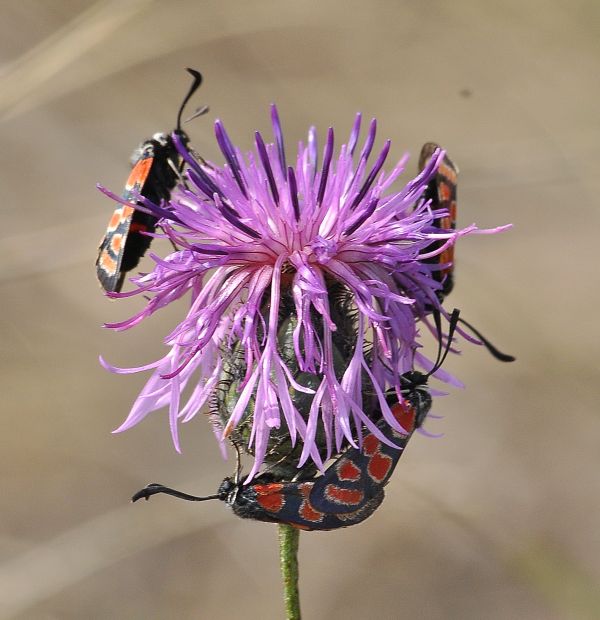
{"x":112,"y":246}
{"x":359,"y":475}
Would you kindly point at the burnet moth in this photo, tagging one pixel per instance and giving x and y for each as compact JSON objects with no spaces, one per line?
{"x":441,"y":191}
{"x":352,"y":487}
{"x":156,"y":167}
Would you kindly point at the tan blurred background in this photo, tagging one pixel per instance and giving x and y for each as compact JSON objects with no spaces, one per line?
{"x":499,"y":519}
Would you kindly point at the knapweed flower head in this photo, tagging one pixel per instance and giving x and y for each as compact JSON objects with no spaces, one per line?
{"x":305,"y":279}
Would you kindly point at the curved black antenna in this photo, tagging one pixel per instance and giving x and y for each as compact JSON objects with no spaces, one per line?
{"x":154,"y":488}
{"x":440,"y":336}
{"x":453,"y":322}
{"x":193,"y":88}
{"x":503,"y":357}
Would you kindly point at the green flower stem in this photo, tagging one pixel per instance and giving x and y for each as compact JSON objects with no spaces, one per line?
{"x":288,"y":558}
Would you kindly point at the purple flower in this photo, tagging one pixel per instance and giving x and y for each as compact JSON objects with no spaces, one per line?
{"x":277,"y":260}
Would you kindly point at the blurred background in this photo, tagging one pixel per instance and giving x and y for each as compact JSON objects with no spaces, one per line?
{"x":499,"y":518}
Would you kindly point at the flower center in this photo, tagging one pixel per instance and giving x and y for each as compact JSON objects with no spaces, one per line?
{"x":324,"y":249}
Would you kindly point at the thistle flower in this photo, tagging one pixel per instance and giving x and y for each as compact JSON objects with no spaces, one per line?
{"x":278,"y":259}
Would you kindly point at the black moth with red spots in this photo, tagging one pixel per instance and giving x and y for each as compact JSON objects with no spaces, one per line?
{"x":347,"y":493}
{"x":441,"y":191}
{"x":351,"y":488}
{"x":156,"y":167}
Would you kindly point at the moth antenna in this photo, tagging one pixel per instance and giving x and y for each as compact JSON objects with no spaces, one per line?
{"x":154,"y":488}
{"x":453,"y":322}
{"x":440,"y":336}
{"x":238,"y":460}
{"x":503,"y":357}
{"x":193,"y":88}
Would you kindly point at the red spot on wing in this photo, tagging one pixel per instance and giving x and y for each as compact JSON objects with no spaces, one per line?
{"x":308,"y":513}
{"x":139,"y":174}
{"x":379,"y":467}
{"x":138,"y":227}
{"x":120,"y":215}
{"x":347,"y":497}
{"x":445,"y":192}
{"x":115,"y":220}
{"x":127,"y":213}
{"x":448,"y":172}
{"x":269,"y":496}
{"x":405,"y":415}
{"x":116,"y":243}
{"x":347,"y":470}
{"x":371,"y":445}
{"x":305,"y":488}
{"x":107,"y":263}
